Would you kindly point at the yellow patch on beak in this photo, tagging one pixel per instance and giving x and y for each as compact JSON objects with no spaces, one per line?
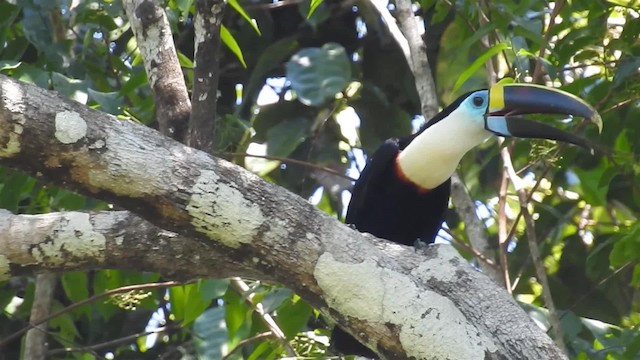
{"x":496,"y":98}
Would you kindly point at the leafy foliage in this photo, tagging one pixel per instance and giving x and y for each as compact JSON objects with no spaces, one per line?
{"x":325,"y":84}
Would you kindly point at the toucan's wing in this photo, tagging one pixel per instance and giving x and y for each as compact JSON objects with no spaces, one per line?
{"x":377,"y":169}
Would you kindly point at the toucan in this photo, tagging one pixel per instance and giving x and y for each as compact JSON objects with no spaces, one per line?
{"x":403,"y":191}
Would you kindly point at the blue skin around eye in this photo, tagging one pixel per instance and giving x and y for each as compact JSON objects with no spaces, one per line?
{"x":476,"y":111}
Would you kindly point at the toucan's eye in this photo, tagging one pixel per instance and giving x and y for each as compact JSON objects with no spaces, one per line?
{"x":478,"y":101}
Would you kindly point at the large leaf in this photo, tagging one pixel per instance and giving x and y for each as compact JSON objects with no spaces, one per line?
{"x":318,"y":74}
{"x":283,"y":138}
{"x":293,"y":316}
{"x":187,"y":303}
{"x":211,"y":334}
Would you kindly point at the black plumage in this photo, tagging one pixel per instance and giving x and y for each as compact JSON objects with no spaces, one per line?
{"x":388,"y":206}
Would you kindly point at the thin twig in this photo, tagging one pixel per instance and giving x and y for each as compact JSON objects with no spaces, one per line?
{"x":288,"y":161}
{"x":469,"y":248}
{"x":114,"y":342}
{"x":91,"y":299}
{"x":502,"y":231}
{"x":273,"y":5}
{"x":243,"y":342}
{"x":242,"y":288}
{"x":541,"y":273}
{"x":537,"y":72}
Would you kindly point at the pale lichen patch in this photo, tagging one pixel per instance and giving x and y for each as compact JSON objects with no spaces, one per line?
{"x":70,"y":240}
{"x":13,"y":101}
{"x":70,"y":127}
{"x":12,"y":145}
{"x":99,"y":144}
{"x":372,"y":293}
{"x":5,"y":271}
{"x":440,"y":266}
{"x":221,"y":212}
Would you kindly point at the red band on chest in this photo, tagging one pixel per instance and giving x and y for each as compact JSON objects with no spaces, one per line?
{"x":403,"y":177}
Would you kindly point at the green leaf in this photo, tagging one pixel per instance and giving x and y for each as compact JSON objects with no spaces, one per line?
{"x":177,"y":299}
{"x":234,"y":4}
{"x":237,"y":316}
{"x":477,"y":35}
{"x":187,"y":303}
{"x":110,"y":102}
{"x":184,"y":61}
{"x":15,"y":186}
{"x":211,"y":334}
{"x":590,"y":181}
{"x":232,"y":44}
{"x":210,"y":289}
{"x":317,"y":74}
{"x":75,"y":285}
{"x":478,"y":63}
{"x":64,"y":325}
{"x":285,"y":137}
{"x":72,"y":88}
{"x":184,"y":6}
{"x":275,"y":298}
{"x":9,"y":65}
{"x":259,"y":351}
{"x":627,"y":248}
{"x":313,"y":6}
{"x":627,"y":69}
{"x":293,"y":317}
{"x":270,"y":58}
{"x":635,"y":279}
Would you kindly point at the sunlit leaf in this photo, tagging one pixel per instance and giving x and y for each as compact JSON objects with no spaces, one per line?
{"x":478,"y":63}
{"x":237,"y":7}
{"x":232,"y":44}
{"x":313,"y":6}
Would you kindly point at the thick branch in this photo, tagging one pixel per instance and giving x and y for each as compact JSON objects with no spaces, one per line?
{"x":108,"y":239}
{"x":418,"y":60}
{"x":155,"y":41}
{"x":414,"y":305}
{"x":206,"y":74}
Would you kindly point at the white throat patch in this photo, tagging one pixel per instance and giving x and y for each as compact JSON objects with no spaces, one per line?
{"x":432,"y":157}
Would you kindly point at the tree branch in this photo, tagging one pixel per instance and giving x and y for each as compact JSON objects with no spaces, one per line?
{"x":35,"y":345}
{"x":155,"y":41}
{"x":418,"y":60}
{"x":206,"y":74}
{"x":541,"y":272}
{"x":408,"y":304}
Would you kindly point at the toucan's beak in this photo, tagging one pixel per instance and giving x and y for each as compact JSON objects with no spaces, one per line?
{"x":507,"y":101}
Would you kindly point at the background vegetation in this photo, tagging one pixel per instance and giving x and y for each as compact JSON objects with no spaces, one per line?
{"x":316,"y":94}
